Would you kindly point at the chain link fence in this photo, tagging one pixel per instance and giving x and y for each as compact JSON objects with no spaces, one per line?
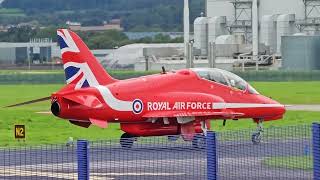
{"x":43,"y":162}
{"x":285,"y":153}
{"x":149,"y":158}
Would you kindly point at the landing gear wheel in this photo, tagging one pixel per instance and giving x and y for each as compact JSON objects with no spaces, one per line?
{"x":199,"y":141}
{"x":127,"y":140}
{"x":256,"y":138}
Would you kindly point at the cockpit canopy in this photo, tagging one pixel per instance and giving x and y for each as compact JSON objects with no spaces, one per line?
{"x":224,"y":77}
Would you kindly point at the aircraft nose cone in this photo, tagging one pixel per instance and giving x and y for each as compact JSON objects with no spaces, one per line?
{"x":282,"y":109}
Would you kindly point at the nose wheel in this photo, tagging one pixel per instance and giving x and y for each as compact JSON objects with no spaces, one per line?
{"x":257,"y":136}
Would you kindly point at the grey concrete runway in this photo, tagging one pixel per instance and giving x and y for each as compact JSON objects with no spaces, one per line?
{"x":237,"y":160}
{"x":303,"y":107}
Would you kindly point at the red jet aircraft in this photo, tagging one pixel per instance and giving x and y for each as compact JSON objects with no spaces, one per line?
{"x":171,"y":103}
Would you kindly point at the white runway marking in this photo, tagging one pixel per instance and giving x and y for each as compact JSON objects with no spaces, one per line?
{"x":52,"y":170}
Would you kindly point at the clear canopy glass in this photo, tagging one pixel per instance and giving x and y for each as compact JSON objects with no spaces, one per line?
{"x":224,"y":77}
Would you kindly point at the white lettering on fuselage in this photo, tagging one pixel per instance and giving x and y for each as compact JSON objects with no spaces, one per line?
{"x":163,"y":106}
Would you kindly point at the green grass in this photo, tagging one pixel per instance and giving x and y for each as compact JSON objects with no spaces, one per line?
{"x":290,"y":118}
{"x":290,"y":162}
{"x":10,"y":72}
{"x":41,"y":129}
{"x":11,"y":12}
{"x":46,"y":129}
{"x":291,"y":92}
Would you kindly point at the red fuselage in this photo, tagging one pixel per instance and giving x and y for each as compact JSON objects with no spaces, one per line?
{"x":141,"y":104}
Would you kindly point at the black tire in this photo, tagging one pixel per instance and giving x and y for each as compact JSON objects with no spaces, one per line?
{"x":256,"y":138}
{"x":127,"y":140}
{"x":199,"y":141}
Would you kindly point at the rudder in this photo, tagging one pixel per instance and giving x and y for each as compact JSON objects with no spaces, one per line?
{"x":81,"y":67}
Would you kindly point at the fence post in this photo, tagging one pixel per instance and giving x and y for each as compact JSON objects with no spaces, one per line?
{"x":316,"y":150}
{"x":83,"y":159}
{"x":212,"y":160}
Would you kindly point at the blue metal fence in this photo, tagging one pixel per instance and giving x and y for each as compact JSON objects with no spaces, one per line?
{"x":43,"y":162}
{"x":316,"y":150}
{"x":149,"y":158}
{"x":285,"y":153}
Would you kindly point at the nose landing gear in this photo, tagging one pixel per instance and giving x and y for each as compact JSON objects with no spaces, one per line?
{"x":257,"y":136}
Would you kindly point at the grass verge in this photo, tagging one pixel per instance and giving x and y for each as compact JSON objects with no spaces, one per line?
{"x":290,"y":162}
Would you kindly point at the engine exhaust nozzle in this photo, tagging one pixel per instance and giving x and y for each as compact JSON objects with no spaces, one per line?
{"x":55,"y":108}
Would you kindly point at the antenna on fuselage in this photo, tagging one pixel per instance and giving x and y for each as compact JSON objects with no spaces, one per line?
{"x":224,"y":122}
{"x":163,"y":70}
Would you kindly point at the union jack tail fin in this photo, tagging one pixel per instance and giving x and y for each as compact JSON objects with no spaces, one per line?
{"x":81,"y":68}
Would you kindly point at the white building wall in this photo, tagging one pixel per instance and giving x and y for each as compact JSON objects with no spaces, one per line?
{"x":220,"y":8}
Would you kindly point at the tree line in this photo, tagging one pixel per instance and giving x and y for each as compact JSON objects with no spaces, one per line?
{"x":136,"y":15}
{"x":95,"y":40}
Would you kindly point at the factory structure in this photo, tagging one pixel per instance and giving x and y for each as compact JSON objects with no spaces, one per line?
{"x":256,"y":34}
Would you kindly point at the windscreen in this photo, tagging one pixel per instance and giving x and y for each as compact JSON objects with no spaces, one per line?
{"x":224,"y":77}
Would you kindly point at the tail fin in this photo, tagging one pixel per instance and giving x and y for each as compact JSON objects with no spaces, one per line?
{"x":81,"y":67}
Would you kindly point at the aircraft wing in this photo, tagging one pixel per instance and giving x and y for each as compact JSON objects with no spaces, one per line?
{"x":222,"y":114}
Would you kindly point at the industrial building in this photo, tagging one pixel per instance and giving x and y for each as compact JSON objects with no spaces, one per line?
{"x":240,"y":34}
{"x":38,"y":51}
{"x":263,"y":25}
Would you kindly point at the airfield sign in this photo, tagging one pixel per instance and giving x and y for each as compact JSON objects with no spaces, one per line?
{"x":19,"y":131}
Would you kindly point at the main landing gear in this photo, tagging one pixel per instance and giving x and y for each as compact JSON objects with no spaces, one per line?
{"x":127,"y":140}
{"x":199,"y":140}
{"x":257,"y":136}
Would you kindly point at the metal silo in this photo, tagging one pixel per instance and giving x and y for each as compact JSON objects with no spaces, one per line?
{"x":269,"y":32}
{"x":285,"y":27}
{"x":216,"y":27}
{"x":201,"y":34}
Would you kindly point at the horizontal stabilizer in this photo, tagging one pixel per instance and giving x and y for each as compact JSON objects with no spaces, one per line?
{"x":80,"y":123}
{"x":29,"y":102}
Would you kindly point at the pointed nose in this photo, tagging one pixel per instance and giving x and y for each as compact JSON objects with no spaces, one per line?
{"x":282,"y":109}
{"x":277,"y":110}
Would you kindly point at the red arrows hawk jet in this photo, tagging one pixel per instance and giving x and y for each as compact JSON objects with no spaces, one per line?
{"x":171,"y":103}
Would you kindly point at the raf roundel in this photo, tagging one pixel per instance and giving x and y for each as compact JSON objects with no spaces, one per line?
{"x":137,"y":106}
